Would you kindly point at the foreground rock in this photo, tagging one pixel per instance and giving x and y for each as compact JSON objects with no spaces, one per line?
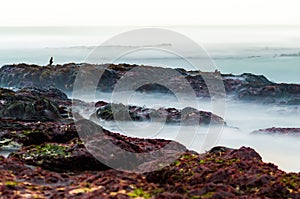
{"x":247,"y":87}
{"x":57,"y":168}
{"x":110,"y":148}
{"x":186,"y":116}
{"x":34,"y":133}
{"x":226,"y":173}
{"x":280,"y":131}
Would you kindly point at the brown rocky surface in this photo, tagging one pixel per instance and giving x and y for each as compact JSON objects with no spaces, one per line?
{"x":246,"y":86}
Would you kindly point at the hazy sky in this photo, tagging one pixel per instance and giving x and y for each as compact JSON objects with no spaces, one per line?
{"x":41,"y":37}
{"x":148,"y":13}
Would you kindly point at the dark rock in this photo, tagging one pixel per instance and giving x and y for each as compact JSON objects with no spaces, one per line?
{"x":219,"y":149}
{"x":34,"y":133}
{"x":109,"y":148}
{"x":246,"y":86}
{"x":229,"y":173}
{"x":280,"y":131}
{"x":60,"y":157}
{"x":186,"y":116}
{"x":53,"y":94}
{"x":25,"y":105}
{"x":232,"y":173}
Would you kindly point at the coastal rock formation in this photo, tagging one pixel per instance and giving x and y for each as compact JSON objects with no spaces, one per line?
{"x":233,"y":173}
{"x":230,"y":174}
{"x":186,"y":116}
{"x":246,"y":86}
{"x":31,"y":104}
{"x":280,"y":131}
{"x":34,"y":133}
{"x":56,"y":167}
{"x":66,"y":156}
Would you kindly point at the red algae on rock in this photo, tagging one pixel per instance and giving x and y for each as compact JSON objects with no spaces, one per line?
{"x":235,"y":173}
{"x":55,"y":168}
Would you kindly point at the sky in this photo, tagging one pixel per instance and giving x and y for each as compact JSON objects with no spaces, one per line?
{"x":149,"y":13}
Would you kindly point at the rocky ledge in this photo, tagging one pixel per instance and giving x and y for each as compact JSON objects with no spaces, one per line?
{"x":247,"y":87}
{"x":53,"y":162}
{"x":186,"y":116}
{"x":69,"y":171}
{"x":279,"y":131}
{"x":50,"y":104}
{"x":33,"y":104}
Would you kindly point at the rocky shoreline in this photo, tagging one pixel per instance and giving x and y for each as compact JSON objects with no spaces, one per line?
{"x":245,"y":87}
{"x":64,"y":168}
{"x":51,"y":160}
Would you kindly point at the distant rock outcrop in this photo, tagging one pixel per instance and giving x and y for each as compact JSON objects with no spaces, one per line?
{"x":247,"y":86}
{"x":279,"y":131}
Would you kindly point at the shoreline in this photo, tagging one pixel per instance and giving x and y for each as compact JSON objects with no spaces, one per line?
{"x":41,"y":121}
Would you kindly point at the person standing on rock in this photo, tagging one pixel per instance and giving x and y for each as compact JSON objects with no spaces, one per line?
{"x":51,"y":61}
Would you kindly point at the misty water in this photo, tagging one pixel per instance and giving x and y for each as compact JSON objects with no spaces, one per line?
{"x":242,"y":119}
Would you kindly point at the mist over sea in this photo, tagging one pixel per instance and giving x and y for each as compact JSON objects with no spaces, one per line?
{"x":270,"y":51}
{"x":242,"y":119}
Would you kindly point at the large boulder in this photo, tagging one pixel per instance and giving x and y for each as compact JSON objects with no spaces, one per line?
{"x":186,"y":116}
{"x":109,"y":149}
{"x":28,"y":105}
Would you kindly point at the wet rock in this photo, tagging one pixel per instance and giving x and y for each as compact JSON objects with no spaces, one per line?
{"x":231,"y":173}
{"x":219,"y":149}
{"x":110,"y":148}
{"x":24,"y":105}
{"x":246,"y":86}
{"x":280,"y":131}
{"x":234,"y":173}
{"x":60,"y":157}
{"x":23,"y":75}
{"x":53,"y":94}
{"x":186,"y":116}
{"x":279,"y":93}
{"x":33,"y":133}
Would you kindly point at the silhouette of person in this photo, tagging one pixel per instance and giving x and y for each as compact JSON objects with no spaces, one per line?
{"x":51,"y":61}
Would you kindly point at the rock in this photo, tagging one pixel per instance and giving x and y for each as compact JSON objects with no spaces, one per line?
{"x":219,"y":149}
{"x":110,"y":148}
{"x":222,"y":172}
{"x":280,"y":131}
{"x":186,"y":116}
{"x":59,"y":157}
{"x":53,"y":94}
{"x":25,"y":105}
{"x":246,"y":86}
{"x":233,"y":173}
{"x":279,"y":93}
{"x":34,"y":133}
